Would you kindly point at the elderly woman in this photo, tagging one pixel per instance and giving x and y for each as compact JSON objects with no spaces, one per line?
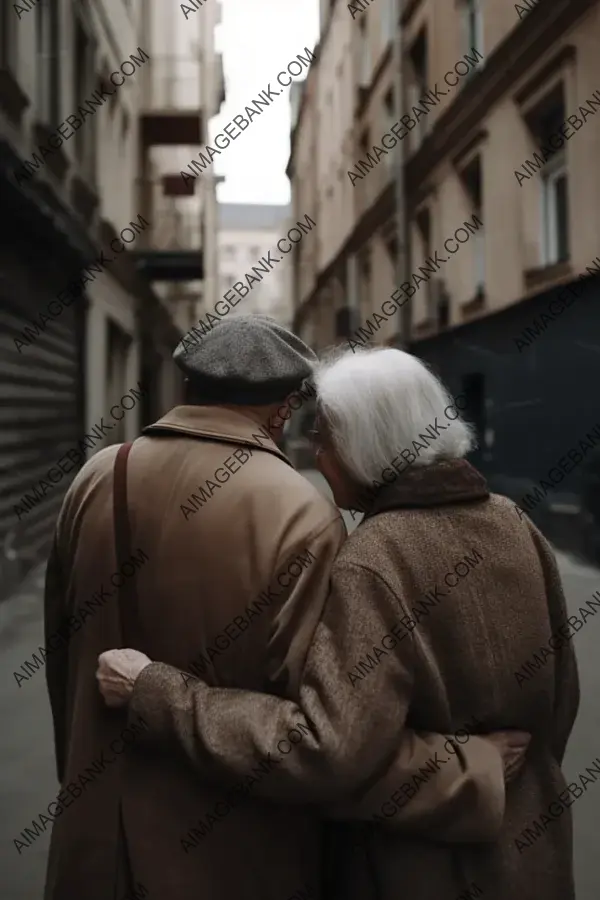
{"x":438,"y":600}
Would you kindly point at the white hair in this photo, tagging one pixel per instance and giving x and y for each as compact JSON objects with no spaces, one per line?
{"x":377,"y":401}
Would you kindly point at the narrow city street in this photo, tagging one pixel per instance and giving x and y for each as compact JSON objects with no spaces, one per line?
{"x":27,"y":779}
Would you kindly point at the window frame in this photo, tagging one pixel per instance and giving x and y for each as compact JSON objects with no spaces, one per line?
{"x":473,"y":10}
{"x":555,"y":169}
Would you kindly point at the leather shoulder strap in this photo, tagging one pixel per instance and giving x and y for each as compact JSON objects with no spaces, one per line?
{"x":131,"y":635}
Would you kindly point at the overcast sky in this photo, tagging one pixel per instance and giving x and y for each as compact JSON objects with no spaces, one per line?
{"x":258,"y":38}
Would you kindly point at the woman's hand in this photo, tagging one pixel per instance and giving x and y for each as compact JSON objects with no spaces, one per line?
{"x":116,"y":674}
{"x":512,"y":747}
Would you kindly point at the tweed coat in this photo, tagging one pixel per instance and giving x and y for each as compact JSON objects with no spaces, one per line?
{"x":471,"y":590}
{"x":238,"y":550}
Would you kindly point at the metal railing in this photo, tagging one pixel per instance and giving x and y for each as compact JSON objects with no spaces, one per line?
{"x":176,"y":229}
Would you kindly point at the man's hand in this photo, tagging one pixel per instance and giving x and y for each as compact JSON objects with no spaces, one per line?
{"x":117,"y":672}
{"x":512,"y":747}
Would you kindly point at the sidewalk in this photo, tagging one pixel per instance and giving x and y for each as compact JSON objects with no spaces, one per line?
{"x":27,"y":772}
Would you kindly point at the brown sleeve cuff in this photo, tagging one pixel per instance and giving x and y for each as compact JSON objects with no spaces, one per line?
{"x":157,"y":693}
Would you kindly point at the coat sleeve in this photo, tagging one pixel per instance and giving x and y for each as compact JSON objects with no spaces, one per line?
{"x":566,"y":692}
{"x":56,"y":661}
{"x":339,"y":739}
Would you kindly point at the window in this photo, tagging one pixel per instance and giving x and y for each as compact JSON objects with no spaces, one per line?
{"x":472,"y":17}
{"x":85,"y":137}
{"x":117,"y":351}
{"x":364,"y":283}
{"x":418,"y":84}
{"x":443,"y":305}
{"x":363,"y":143}
{"x":8,"y":37}
{"x":475,"y":407}
{"x":48,"y":66}
{"x":471,"y":178}
{"x":366,"y":65}
{"x":344,"y":320}
{"x":229,"y":252}
{"x":124,"y":126}
{"x":387,"y":18}
{"x":255,"y":252}
{"x":544,"y":122}
{"x":391,"y":246}
{"x":423,"y":221}
{"x":555,"y":217}
{"x":103,"y":83}
{"x":389,"y":119}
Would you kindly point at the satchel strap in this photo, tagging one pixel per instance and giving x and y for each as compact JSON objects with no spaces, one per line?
{"x":130,"y":637}
{"x":127,"y":592}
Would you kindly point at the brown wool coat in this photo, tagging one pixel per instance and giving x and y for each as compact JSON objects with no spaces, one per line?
{"x":473,"y":588}
{"x":223,"y":593}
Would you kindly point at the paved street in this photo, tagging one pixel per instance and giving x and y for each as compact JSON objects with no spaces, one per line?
{"x":27,"y":781}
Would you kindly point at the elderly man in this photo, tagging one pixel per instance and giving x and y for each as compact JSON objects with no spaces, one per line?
{"x":220,"y":555}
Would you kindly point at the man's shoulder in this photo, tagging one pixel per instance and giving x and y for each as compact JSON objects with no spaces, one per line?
{"x":285,"y":494}
{"x":101,"y":462}
{"x":97,"y":467}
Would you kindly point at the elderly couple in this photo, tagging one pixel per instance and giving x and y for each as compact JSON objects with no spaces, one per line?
{"x":359,"y":733}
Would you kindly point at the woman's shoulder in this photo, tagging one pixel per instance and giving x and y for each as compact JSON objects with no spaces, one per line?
{"x":390,"y":531}
{"x":371,"y":539}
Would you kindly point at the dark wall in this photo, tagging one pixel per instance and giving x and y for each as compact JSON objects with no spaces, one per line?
{"x":540,"y":400}
{"x":41,"y":397}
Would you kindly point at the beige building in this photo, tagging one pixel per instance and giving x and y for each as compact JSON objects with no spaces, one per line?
{"x":491,"y":119}
{"x":80,"y":327}
{"x":248,"y":233}
{"x":93,"y":237}
{"x":183,"y":88}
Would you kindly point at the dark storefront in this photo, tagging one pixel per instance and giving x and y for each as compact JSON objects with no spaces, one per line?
{"x":42,"y":386}
{"x":532,"y":405}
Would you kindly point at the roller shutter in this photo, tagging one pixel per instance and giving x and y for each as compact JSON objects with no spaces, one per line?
{"x":41,"y":387}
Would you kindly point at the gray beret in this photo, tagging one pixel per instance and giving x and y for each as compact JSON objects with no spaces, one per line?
{"x":246,"y":360}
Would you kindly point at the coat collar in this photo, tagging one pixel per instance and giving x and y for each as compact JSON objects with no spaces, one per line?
{"x":216,"y":424}
{"x":453,"y":481}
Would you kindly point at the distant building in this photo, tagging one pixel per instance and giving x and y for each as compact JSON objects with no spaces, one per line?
{"x":182,"y":90}
{"x":247,"y":232}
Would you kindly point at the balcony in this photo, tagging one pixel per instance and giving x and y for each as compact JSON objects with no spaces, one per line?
{"x":172,"y":249}
{"x":171,"y":102}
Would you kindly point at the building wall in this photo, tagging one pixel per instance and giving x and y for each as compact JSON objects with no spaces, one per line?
{"x":62,"y":184}
{"x":537,"y":397}
{"x":304,"y":183}
{"x":512,"y":212}
{"x":530,"y":401}
{"x":212,"y":77}
{"x":185,"y":75}
{"x":117,"y":26}
{"x":107,"y":167}
{"x":334,"y":125}
{"x":112,"y":307}
{"x":240,"y":248}
{"x":359,"y":218}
